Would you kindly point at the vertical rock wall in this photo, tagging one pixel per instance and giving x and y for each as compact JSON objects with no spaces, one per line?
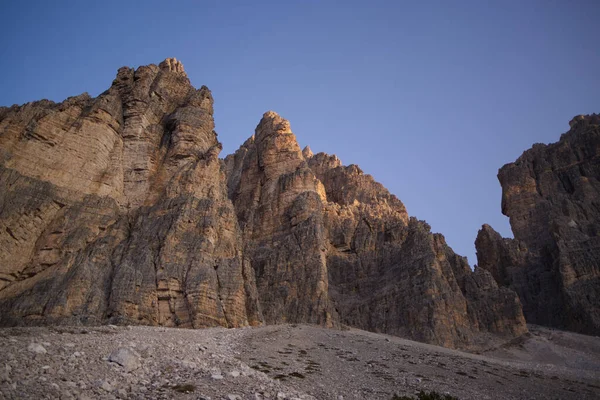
{"x":118,"y":209}
{"x":552,"y":196}
{"x":307,"y":218}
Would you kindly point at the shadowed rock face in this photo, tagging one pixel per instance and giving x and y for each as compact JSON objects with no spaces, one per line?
{"x":389,"y":273}
{"x":552,"y":196}
{"x":329,"y":245}
{"x":118,"y":209}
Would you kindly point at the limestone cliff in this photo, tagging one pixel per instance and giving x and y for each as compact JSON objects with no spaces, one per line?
{"x":389,"y":273}
{"x":552,"y":196}
{"x":279,"y":202}
{"x":118,"y":209}
{"x":115,"y":209}
{"x":329,"y":244}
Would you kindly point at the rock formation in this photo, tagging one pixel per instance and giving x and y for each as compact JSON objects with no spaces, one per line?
{"x":278,"y":202}
{"x":389,"y":273}
{"x":118,"y":209}
{"x":329,"y":244}
{"x":552,"y":196}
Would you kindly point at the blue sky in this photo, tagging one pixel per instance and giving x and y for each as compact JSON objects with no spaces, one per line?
{"x":429,"y":97}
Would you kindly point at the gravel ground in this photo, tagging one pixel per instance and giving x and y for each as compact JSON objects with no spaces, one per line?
{"x":286,"y":362}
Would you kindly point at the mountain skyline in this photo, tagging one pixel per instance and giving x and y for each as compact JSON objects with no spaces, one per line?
{"x":429,"y":99}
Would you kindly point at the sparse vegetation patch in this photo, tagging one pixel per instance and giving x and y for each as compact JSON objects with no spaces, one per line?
{"x":426,"y":396}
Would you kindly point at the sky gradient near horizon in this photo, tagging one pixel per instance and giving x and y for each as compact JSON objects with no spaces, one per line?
{"x":429,"y":97}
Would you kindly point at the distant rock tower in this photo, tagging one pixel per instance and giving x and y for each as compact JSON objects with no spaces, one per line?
{"x":172,"y":64}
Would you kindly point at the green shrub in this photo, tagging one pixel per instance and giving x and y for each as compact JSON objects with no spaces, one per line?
{"x":426,"y":396}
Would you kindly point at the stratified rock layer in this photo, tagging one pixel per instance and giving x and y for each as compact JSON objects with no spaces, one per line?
{"x":552,"y":196}
{"x":329,"y":244}
{"x":389,"y":273}
{"x":118,"y":209}
{"x":279,"y":204}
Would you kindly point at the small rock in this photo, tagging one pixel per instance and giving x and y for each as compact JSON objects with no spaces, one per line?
{"x":54,"y":386}
{"x":233,"y":397}
{"x":234,"y":373}
{"x":125,"y":357}
{"x":144,"y":350}
{"x":216,"y":376}
{"x":105,"y":386}
{"x":36,"y":348}
{"x":281,"y":395}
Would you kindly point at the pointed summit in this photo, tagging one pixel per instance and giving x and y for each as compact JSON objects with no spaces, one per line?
{"x":272,"y":123}
{"x":307,"y":152}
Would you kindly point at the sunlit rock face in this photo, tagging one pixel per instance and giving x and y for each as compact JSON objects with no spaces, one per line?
{"x":279,"y":201}
{"x":552,"y":196}
{"x":118,"y":209}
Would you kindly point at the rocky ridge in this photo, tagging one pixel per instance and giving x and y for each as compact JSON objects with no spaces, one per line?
{"x":552,"y":196}
{"x":117,"y":209}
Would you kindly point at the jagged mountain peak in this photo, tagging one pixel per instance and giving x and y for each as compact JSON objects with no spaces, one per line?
{"x":550,"y":194}
{"x":118,"y":209}
{"x":272,"y":124}
{"x":307,"y":152}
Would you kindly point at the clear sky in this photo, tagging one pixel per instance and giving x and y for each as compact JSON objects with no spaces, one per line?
{"x":429,"y":97}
